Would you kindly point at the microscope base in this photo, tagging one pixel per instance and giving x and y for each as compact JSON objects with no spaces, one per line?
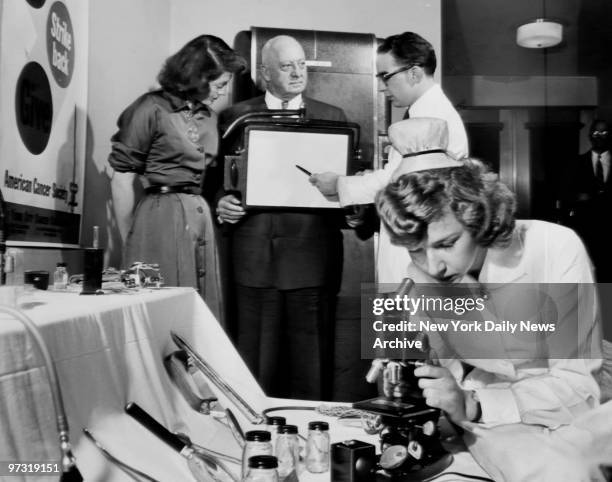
{"x":417,"y":473}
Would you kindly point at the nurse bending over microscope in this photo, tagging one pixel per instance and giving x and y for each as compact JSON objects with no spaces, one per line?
{"x":527,"y":415}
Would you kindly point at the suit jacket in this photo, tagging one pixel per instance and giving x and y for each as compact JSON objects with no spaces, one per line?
{"x":582,"y":193}
{"x":590,"y":206}
{"x":584,"y":179}
{"x":286,"y":249}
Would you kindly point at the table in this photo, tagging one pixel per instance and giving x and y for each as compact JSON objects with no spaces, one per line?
{"x":109,"y":350}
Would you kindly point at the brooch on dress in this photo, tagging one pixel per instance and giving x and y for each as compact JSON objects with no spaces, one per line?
{"x":193,"y":133}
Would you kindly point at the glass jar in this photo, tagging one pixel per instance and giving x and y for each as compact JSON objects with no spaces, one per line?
{"x":262,"y":468}
{"x":60,"y":277}
{"x":13,"y":266}
{"x":273,"y":424}
{"x":257,"y":442}
{"x":287,"y":450}
{"x":317,"y":447}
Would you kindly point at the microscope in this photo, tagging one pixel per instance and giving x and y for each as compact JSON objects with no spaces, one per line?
{"x":409,"y":434}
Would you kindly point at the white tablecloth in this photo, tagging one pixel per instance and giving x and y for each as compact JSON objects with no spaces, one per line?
{"x":109,"y":350}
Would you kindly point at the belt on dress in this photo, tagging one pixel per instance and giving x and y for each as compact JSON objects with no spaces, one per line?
{"x":170,"y":189}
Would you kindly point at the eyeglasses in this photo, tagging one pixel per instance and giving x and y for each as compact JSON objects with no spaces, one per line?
{"x":599,"y":134}
{"x":385,"y":76}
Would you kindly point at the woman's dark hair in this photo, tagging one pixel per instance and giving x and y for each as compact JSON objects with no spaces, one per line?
{"x":410,"y":48}
{"x":479,"y":201}
{"x":205,"y":58}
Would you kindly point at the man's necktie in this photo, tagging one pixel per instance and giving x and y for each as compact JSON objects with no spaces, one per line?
{"x":599,"y":174}
{"x":284,"y":104}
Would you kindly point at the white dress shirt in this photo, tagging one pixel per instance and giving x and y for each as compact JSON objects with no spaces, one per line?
{"x":273,"y":102}
{"x":392,"y":261}
{"x":605,"y":163}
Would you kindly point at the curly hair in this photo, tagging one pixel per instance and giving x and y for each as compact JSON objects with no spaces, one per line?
{"x":187,"y":73}
{"x":473,"y":193}
{"x":411,"y":49}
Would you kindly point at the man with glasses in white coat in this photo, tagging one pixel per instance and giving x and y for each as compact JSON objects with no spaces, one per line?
{"x":405,"y":64}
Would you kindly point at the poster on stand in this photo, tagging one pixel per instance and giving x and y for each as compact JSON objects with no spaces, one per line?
{"x":43,"y":100}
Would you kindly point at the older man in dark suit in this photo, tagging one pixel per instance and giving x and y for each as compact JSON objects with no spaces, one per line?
{"x":286,"y":264}
{"x":589,"y":198}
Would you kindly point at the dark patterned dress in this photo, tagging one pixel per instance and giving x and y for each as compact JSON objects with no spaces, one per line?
{"x":170,"y":142}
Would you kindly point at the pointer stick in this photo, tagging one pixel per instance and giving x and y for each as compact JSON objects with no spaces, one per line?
{"x":305,"y":171}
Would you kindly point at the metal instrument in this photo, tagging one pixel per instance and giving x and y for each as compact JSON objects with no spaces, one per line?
{"x":204,"y":467}
{"x":129,"y":470}
{"x":207,"y":452}
{"x":235,"y":427}
{"x":70,"y":472}
{"x":180,"y":371}
{"x":242,"y":405}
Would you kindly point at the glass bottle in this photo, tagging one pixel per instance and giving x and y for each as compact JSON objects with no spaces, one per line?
{"x":317,"y":447}
{"x":273,"y":424}
{"x":60,"y":277}
{"x":287,"y":450}
{"x":257,"y":443}
{"x":262,"y":468}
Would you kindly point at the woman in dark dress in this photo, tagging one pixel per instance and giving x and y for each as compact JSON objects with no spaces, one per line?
{"x":166,"y":139}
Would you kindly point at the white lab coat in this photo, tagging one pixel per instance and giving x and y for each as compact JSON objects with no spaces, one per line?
{"x":392,"y":261}
{"x":541,"y":423}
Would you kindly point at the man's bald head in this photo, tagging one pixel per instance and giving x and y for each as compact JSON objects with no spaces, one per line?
{"x":276,"y":45}
{"x":284,"y":67}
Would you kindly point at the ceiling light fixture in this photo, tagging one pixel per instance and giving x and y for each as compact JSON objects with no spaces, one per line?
{"x":540,"y":33}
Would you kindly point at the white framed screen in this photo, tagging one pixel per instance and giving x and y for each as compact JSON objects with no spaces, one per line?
{"x":273,"y":178}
